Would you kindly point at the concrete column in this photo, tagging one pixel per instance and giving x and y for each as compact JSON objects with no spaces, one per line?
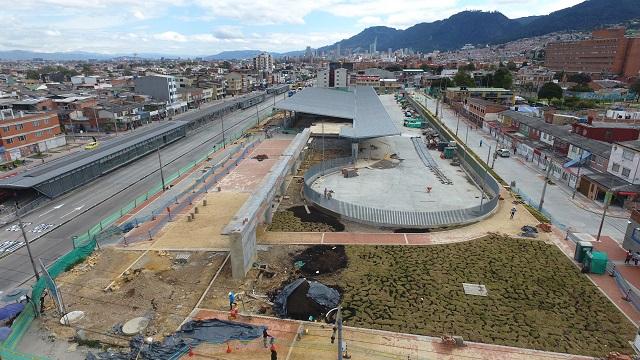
{"x":354,"y":151}
{"x":243,"y":251}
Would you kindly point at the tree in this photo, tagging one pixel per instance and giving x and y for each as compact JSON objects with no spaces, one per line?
{"x":469,"y":67}
{"x":550,"y":91}
{"x":512,"y":66}
{"x":462,"y":78}
{"x":424,"y":67}
{"x":33,"y":75}
{"x":559,"y":75}
{"x":581,"y":88}
{"x":502,"y":78}
{"x":580,"y":78}
{"x":635,"y":87}
{"x":87,"y":70}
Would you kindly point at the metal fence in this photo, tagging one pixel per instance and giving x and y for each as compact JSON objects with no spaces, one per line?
{"x":384,"y":217}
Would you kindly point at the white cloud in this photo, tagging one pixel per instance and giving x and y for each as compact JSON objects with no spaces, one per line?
{"x":170,"y":36}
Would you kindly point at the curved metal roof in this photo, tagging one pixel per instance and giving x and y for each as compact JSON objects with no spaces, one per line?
{"x":359,"y":104}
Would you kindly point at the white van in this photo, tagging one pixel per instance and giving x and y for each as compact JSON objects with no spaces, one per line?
{"x":503,"y":152}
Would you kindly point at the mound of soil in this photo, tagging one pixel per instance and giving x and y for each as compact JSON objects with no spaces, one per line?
{"x":322,"y":259}
{"x":317,"y":217}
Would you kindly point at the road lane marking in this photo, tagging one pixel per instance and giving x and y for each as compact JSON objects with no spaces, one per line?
{"x":54,"y":208}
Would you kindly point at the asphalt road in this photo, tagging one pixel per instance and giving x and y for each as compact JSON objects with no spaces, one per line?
{"x":76,"y":212}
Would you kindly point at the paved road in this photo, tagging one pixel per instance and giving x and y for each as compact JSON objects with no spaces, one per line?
{"x":530,"y":181}
{"x":79,"y":210}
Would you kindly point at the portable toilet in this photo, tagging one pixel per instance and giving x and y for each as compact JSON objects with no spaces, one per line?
{"x":596,"y":262}
{"x":582,"y":247}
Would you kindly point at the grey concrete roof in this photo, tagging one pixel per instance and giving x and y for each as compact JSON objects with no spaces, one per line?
{"x":359,"y":104}
{"x":596,"y":147}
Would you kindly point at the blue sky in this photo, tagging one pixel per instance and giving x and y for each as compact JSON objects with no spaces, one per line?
{"x":205,"y":27}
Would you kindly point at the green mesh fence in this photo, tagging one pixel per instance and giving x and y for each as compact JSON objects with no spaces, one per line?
{"x":84,"y":246}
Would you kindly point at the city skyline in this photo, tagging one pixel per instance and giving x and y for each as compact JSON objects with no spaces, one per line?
{"x":198,"y":28}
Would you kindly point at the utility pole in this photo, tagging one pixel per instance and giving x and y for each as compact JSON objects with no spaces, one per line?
{"x":607,"y":199}
{"x":575,"y":188}
{"x":339,"y":324}
{"x":484,"y":180}
{"x":257,"y":116}
{"x":546,"y":181}
{"x":457,"y":122}
{"x":26,"y":242}
{"x":323,"y":164}
{"x":224,"y":143}
{"x":161,"y":172}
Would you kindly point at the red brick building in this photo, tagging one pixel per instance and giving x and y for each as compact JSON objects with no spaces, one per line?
{"x":606,"y":131}
{"x":608,"y":52}
{"x":25,"y":134}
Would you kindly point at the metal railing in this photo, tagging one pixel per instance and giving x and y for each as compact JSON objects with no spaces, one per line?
{"x":384,"y":217}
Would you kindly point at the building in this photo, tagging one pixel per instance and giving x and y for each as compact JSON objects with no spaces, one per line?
{"x":609,"y":132}
{"x":366,"y":80}
{"x":497,"y":95}
{"x":624,"y":161}
{"x":340,"y":78}
{"x":25,"y":134}
{"x":235,"y":83}
{"x":160,"y":87}
{"x":608,"y":52}
{"x":532,"y":78}
{"x":263,"y":62}
{"x":322,"y":78}
{"x":480,"y":111}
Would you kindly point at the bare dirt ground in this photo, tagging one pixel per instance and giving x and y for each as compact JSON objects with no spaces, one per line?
{"x":156,"y":287}
{"x":278,"y":259}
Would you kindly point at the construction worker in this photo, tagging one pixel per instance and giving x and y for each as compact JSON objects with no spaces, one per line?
{"x":265,"y":335}
{"x":232,"y":299}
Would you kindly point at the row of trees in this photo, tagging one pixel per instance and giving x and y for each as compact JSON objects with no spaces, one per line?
{"x":501,"y":78}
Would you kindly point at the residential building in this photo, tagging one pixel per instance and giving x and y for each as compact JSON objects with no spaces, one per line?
{"x":624,"y":161}
{"x":481,"y":111}
{"x":322,"y":78}
{"x":532,"y":78}
{"x":497,"y":95}
{"x":160,"y":87}
{"x":236,"y":83}
{"x":607,"y":53}
{"x":340,"y":78}
{"x":366,"y":80}
{"x":263,"y":62}
{"x":609,"y":132}
{"x":25,"y":134}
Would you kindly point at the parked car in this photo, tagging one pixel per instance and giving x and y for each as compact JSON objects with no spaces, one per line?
{"x":503,"y":152}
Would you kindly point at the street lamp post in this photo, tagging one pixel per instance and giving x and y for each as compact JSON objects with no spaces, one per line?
{"x":26,"y":242}
{"x":161,"y":172}
{"x":224,"y":143}
{"x":607,"y":199}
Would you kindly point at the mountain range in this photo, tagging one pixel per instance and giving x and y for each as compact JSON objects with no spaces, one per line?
{"x":467,"y":27}
{"x":480,"y":28}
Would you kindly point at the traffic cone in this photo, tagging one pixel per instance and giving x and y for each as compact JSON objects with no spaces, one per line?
{"x":228,"y":348}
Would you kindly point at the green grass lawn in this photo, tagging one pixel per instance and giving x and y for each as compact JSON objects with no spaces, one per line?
{"x":537,"y":298}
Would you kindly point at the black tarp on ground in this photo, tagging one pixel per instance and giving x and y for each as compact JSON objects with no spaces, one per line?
{"x":191,"y":334}
{"x":303,"y":298}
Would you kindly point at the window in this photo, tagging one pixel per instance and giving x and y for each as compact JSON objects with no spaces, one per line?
{"x":38,"y":133}
{"x":35,"y":123}
{"x":9,"y":140}
{"x":49,"y":131}
{"x":627,"y":154}
{"x":626,"y":172}
{"x":22,"y":138}
{"x":19,"y":126}
{"x":46,"y":121}
{"x":615,"y":167}
{"x":6,"y":128}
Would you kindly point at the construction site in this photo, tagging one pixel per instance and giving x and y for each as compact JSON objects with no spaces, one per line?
{"x":308,"y":223}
